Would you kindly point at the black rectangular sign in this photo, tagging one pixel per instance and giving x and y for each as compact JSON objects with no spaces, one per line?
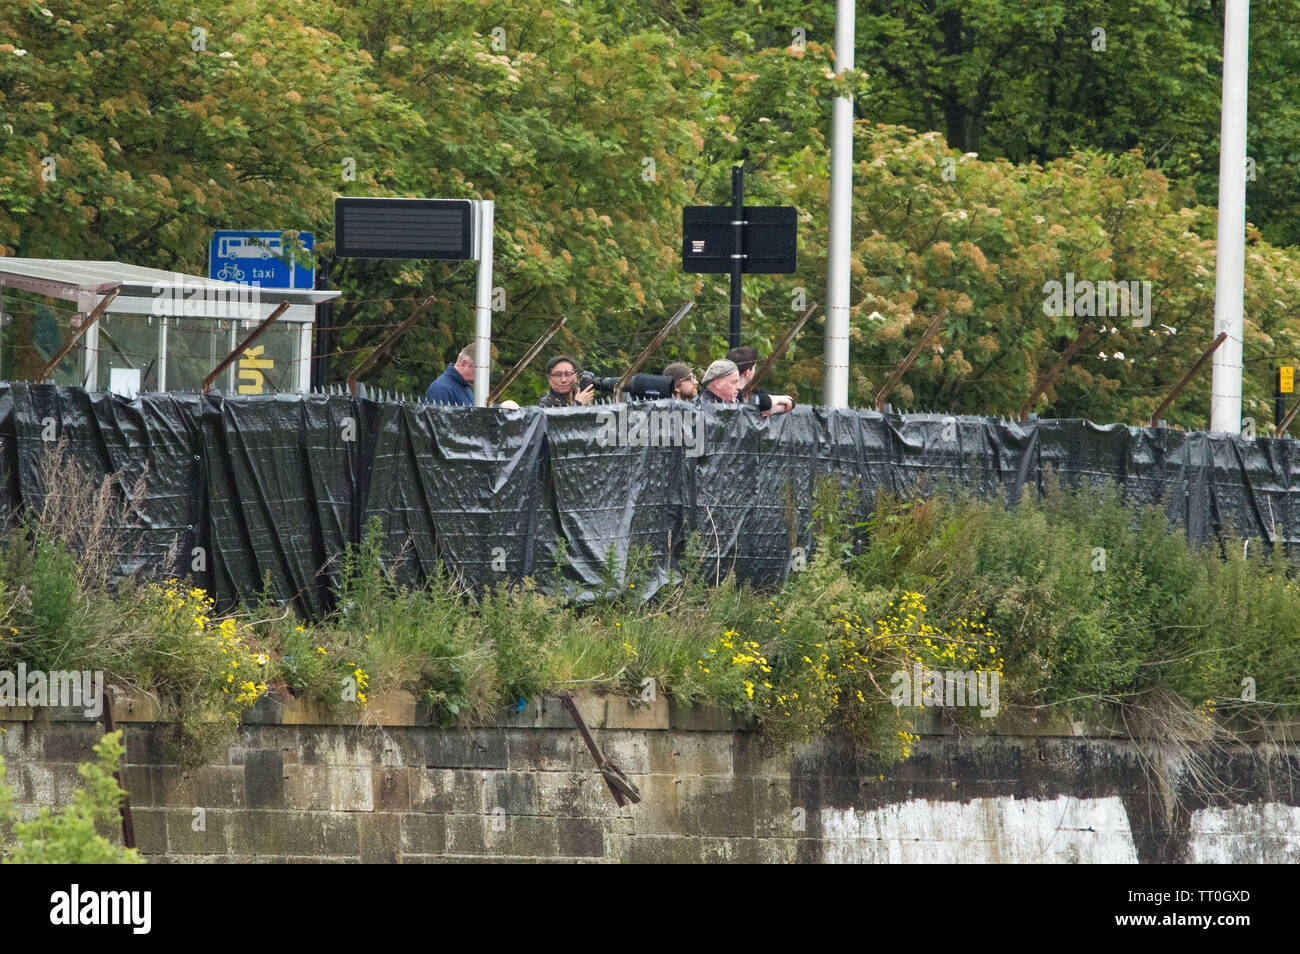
{"x":403,"y":228}
{"x":769,"y":244}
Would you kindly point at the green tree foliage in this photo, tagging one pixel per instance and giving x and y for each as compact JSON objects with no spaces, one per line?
{"x":591,"y":127}
{"x":1040,"y":81}
{"x":984,"y":238}
{"x":154,"y":141}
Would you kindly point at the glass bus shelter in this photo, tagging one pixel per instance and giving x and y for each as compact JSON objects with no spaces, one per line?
{"x":159,"y":331}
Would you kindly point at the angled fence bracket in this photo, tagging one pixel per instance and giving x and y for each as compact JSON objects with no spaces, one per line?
{"x":383,"y":347}
{"x":240,"y":348}
{"x":651,"y":349}
{"x":514,"y":372}
{"x":93,"y":317}
{"x":779,"y":350}
{"x":1045,"y":381}
{"x":1191,"y":373}
{"x":907,"y":362}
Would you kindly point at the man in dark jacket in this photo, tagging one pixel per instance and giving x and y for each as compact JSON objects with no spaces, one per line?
{"x":562,"y":375}
{"x":745,"y":360}
{"x":453,"y":386}
{"x":720,"y":385}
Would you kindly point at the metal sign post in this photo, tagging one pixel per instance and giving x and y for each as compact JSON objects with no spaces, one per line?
{"x":455,"y":229}
{"x":1283,"y":385}
{"x":738,"y":240}
{"x":737,"y":250}
{"x":483,"y":303}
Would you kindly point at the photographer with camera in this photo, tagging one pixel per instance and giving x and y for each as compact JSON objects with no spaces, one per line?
{"x":562,"y":376}
{"x":638,"y":387}
{"x":685,"y":386}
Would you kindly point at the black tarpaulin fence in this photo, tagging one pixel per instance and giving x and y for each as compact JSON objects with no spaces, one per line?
{"x":157,"y":440}
{"x":265,"y":492}
{"x":460,"y":485}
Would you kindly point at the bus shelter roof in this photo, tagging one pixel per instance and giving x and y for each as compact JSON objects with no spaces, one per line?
{"x":84,"y":282}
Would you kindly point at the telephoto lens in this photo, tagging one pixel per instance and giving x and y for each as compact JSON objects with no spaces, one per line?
{"x":648,"y":387}
{"x":645,"y":387}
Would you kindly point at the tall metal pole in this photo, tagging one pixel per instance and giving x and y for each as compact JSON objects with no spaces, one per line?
{"x":1230,"y":267}
{"x":483,"y":305}
{"x":324,"y":329}
{"x":835,"y":375}
{"x":1279,"y":399}
{"x":737,"y":250}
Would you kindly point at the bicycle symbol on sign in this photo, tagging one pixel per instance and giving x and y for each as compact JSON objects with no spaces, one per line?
{"x":230,"y":272}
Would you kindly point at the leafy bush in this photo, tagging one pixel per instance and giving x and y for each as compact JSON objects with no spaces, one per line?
{"x":67,"y":836}
{"x":1077,"y":601}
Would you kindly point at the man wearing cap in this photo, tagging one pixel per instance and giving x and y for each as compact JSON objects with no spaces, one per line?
{"x":745,"y":359}
{"x":685,"y":385}
{"x":721,"y":384}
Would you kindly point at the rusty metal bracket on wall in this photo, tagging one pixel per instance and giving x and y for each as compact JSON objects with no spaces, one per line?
{"x":622,"y":787}
{"x":128,"y":823}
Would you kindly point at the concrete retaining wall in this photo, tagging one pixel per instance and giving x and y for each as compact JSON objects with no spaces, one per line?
{"x":527,"y":789}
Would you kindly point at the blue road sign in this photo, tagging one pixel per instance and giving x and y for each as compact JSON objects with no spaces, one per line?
{"x":249,"y":257}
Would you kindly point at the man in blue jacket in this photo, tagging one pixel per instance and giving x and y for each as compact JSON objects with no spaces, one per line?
{"x":453,"y":386}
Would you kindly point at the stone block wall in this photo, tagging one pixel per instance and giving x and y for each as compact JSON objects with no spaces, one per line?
{"x":296,"y":788}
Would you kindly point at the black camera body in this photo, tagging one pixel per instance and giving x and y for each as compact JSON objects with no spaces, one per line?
{"x":643,"y":387}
